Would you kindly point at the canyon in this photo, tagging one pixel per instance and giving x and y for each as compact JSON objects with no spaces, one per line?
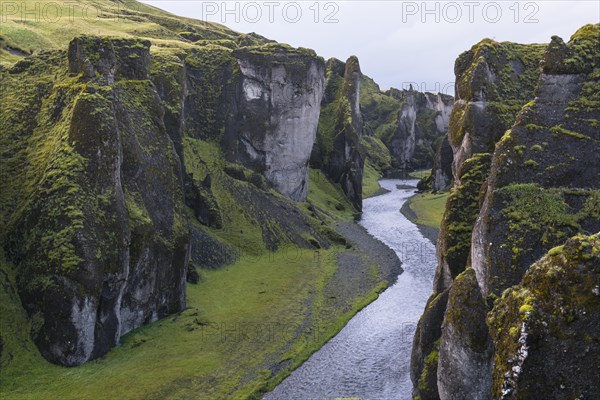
{"x":153,"y":158}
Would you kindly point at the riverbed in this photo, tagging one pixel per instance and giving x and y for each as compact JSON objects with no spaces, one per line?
{"x":370,"y":357}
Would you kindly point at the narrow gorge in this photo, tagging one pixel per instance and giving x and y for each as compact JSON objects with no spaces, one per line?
{"x":192,"y":212}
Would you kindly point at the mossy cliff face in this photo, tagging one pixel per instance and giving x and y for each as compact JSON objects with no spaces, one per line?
{"x":337,"y":150}
{"x":95,"y":227}
{"x":546,"y":329}
{"x":425,"y":353}
{"x":545,"y":178}
{"x":408,"y":122}
{"x":493,"y":80}
{"x":277,"y":114}
{"x":441,"y":172}
{"x":466,"y":349}
{"x":261,"y":103}
{"x":542,"y":182}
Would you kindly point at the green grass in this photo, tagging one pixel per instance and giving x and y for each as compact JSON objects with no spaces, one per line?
{"x":327,"y":196}
{"x":420,"y":174}
{"x":241,"y":319}
{"x":370,"y":181}
{"x":127,"y":18}
{"x":429,"y":208}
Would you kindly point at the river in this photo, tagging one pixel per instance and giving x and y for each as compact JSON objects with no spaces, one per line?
{"x":370,"y":357}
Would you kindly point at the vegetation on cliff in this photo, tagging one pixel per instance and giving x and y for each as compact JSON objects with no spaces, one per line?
{"x":550,"y":319}
{"x":526,"y":176}
{"x":122,"y":177}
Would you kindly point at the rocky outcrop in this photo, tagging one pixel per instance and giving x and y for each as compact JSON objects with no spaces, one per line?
{"x":541,"y":188}
{"x":337,"y":150}
{"x":545,"y":329}
{"x":119,"y":145}
{"x":277,"y":114}
{"x":464,"y":366}
{"x":99,"y":240}
{"x":410,"y":123}
{"x":441,"y":173}
{"x":544,"y":182}
{"x":440,"y":179}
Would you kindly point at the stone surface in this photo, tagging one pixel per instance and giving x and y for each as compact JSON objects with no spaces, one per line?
{"x":546,"y":329}
{"x":465,"y":355}
{"x":277,"y":115}
{"x":338,"y":151}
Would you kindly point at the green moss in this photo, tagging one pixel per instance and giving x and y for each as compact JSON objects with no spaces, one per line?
{"x":536,"y":147}
{"x":370,"y":183}
{"x":428,"y":380}
{"x":327,"y":197}
{"x":461,"y":211}
{"x":531,"y":164}
{"x":553,"y":291}
{"x":377,"y":154}
{"x":531,"y":208}
{"x":560,"y":130}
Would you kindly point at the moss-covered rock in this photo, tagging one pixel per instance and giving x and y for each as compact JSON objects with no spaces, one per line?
{"x":545,"y":173}
{"x":466,"y":350}
{"x":99,"y":240}
{"x":424,"y":357}
{"x":493,"y":81}
{"x":546,"y":329}
{"x":337,"y":150}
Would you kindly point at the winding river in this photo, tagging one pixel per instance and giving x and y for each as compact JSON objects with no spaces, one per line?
{"x":370,"y":357}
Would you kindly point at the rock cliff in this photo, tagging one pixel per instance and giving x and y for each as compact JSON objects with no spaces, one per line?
{"x":545,"y":329}
{"x":535,"y":189}
{"x":95,"y":222}
{"x":337,"y":150}
{"x":409,"y":123}
{"x":110,"y":143}
{"x":277,"y":115}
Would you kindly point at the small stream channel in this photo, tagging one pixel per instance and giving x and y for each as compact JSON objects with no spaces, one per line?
{"x":370,"y":357}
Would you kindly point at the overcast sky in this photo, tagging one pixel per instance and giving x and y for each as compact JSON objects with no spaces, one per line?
{"x":397,"y":42}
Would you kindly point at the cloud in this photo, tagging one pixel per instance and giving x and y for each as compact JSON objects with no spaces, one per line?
{"x":397,"y":41}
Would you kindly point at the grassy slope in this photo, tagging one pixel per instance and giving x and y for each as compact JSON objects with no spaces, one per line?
{"x":420,"y":174}
{"x":126,"y":18}
{"x":371,"y":177}
{"x":428,"y":208}
{"x":241,"y":318}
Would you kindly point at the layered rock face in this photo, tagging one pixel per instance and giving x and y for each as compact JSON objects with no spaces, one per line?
{"x":99,"y":178}
{"x":97,"y":231}
{"x":423,"y":118}
{"x":409,"y":123}
{"x":337,"y":150}
{"x":277,"y":115}
{"x":541,"y":188}
{"x":546,"y":329}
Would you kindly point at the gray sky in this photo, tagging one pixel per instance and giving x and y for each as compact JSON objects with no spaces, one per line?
{"x":397,"y":42}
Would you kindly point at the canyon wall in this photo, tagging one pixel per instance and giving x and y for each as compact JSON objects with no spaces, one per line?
{"x":526,"y":178}
{"x":109,"y":142}
{"x":408,"y":122}
{"x":337,"y":150}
